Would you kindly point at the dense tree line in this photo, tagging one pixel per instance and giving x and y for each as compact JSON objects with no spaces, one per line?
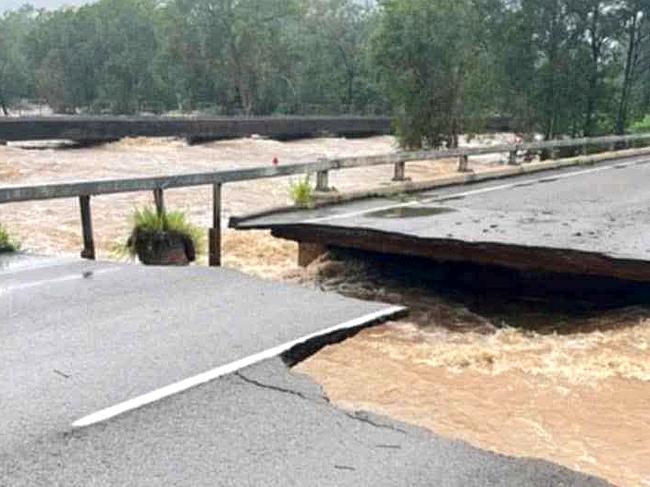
{"x":230,"y":56}
{"x":557,"y":67}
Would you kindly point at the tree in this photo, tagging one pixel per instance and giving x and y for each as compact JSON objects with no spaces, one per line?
{"x":442,"y":67}
{"x":126,"y":30}
{"x":596,"y":22}
{"x":425,"y":51}
{"x":63,"y":73}
{"x":634,"y":18}
{"x":332,"y":48}
{"x":242,"y":43}
{"x":16,"y":80}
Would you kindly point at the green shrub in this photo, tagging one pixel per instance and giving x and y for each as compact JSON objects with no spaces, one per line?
{"x":641,"y":126}
{"x":148,"y":220}
{"x":7,"y":244}
{"x":302,"y":192}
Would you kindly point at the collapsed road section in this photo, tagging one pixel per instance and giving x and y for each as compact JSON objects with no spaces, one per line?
{"x":78,"y":336}
{"x":583,"y":221}
{"x":84,"y":342}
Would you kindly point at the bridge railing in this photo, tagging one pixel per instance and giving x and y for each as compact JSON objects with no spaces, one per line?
{"x":84,"y":190}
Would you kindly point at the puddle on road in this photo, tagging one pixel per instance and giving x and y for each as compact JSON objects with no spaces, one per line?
{"x":506,"y":362}
{"x":411,"y":212}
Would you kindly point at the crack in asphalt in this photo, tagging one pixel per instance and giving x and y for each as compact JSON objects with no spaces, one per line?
{"x":355,"y":415}
{"x":272,"y":387}
{"x":360,"y":416}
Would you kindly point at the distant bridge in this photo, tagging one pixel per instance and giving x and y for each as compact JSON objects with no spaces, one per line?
{"x":102,"y":129}
{"x":99,"y":129}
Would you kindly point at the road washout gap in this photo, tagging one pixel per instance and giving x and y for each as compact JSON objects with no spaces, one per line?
{"x":518,"y":257}
{"x":524,"y":364}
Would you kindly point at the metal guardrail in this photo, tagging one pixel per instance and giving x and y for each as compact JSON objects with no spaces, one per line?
{"x":157,"y":184}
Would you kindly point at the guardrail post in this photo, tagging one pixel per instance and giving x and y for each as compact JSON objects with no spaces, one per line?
{"x":512,"y":158}
{"x":214,"y":234}
{"x":322,"y":181}
{"x":159,"y":199}
{"x":612,"y":147}
{"x":463,"y":163}
{"x":555,"y":153}
{"x":87,"y":228}
{"x":400,"y":171}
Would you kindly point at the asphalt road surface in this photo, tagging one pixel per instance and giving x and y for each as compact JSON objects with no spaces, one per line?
{"x":76,"y":337}
{"x":600,"y":210}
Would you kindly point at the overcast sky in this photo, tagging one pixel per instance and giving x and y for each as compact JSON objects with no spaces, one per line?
{"x":13,"y":4}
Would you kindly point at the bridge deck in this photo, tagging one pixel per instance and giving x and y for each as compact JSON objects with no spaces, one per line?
{"x":96,"y":129}
{"x":593,"y":221}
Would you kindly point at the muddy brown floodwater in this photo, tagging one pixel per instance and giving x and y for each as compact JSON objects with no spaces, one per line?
{"x":520,"y":378}
{"x":513,"y":376}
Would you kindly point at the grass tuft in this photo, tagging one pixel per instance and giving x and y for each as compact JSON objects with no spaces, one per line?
{"x":7,"y":244}
{"x":302,"y":192}
{"x":147,"y":220}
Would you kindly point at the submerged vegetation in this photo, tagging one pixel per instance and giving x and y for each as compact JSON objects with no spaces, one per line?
{"x":441,"y":67}
{"x":7,"y":243}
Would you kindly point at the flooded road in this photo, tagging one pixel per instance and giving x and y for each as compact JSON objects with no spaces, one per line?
{"x":486,"y":358}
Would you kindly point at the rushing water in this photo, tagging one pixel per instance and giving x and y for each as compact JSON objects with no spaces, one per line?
{"x":518,"y":369}
{"x":485,"y":356}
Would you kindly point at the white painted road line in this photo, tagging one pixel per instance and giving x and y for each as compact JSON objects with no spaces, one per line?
{"x":6,"y":289}
{"x":30,"y":265}
{"x":222,"y":370}
{"x":473,"y":192}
